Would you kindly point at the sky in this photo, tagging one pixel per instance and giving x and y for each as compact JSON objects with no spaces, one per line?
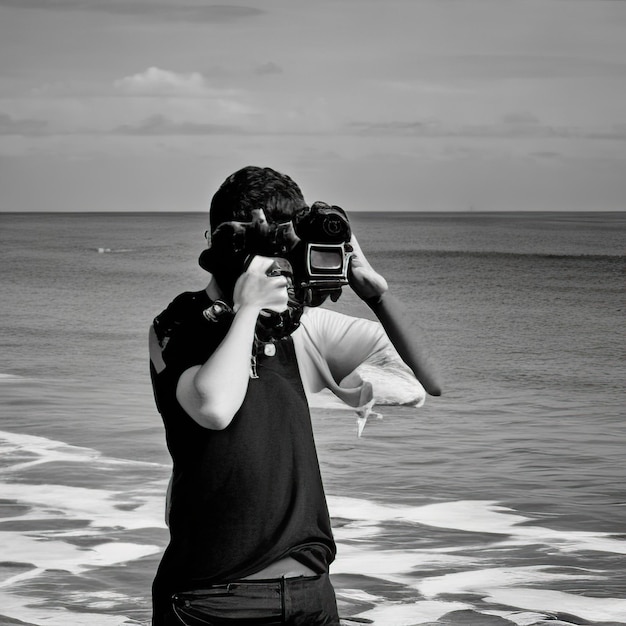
{"x":426,"y":105}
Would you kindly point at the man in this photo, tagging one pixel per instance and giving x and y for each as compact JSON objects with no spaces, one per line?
{"x":251,"y":539}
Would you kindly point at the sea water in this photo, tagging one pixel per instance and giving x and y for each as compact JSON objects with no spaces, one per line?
{"x":502,"y":502}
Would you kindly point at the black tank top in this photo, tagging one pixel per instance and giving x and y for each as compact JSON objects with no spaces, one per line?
{"x":250,"y":494}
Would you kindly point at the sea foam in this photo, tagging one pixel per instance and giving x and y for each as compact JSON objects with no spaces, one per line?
{"x":477,"y":516}
{"x":24,"y":609}
{"x":411,"y":613}
{"x":363,"y":521}
{"x":586,"y":607}
{"x":478,"y":580}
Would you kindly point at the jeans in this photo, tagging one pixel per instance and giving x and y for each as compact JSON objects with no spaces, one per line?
{"x":300,"y":601}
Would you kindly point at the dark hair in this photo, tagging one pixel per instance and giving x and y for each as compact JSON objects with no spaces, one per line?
{"x":255,"y":188}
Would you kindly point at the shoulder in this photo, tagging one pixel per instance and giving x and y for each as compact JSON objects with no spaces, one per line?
{"x":320,"y":320}
{"x":318,"y":316}
{"x":180,"y":336}
{"x":332,"y":332}
{"x":183,"y":309}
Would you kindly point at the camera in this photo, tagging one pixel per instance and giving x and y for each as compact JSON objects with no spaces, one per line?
{"x":315,"y":242}
{"x":321,"y":257}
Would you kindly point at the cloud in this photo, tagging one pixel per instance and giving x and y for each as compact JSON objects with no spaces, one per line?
{"x":521,"y":119}
{"x":11,"y":126}
{"x":546,"y":154}
{"x":152,"y":102}
{"x":268,"y":68}
{"x":497,"y":67}
{"x":157,"y":82}
{"x":216,"y":13}
{"x":44,"y":4}
{"x":512,"y":126}
{"x":159,"y":101}
{"x":161,"y":125}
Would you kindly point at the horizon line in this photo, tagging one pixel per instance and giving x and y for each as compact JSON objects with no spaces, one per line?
{"x":351,"y":212}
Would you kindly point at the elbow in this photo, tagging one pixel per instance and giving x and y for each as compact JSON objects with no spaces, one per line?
{"x":432,"y":384}
{"x":433,"y":387}
{"x":434,"y":390}
{"x":213,"y":417}
{"x":208,"y":409}
{"x":206,"y":412}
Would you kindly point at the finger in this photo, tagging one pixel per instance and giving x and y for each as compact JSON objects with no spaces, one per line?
{"x":278,"y":303}
{"x":355,"y":260}
{"x":356,"y":248}
{"x":278,"y":282}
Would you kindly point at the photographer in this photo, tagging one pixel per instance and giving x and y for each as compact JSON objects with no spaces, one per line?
{"x":250,"y":533}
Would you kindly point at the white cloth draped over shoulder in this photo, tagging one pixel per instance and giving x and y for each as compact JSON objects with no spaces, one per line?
{"x":353,"y":358}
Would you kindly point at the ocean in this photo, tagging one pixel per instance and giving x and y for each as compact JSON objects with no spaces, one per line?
{"x":501,"y":502}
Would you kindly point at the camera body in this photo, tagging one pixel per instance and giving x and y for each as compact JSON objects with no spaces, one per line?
{"x":323,"y":252}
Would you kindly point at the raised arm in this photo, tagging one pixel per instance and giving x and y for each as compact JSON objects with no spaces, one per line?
{"x":213,"y":392}
{"x":407,"y":338}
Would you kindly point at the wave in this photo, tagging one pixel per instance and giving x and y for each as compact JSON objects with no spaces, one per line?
{"x":470,"y":571}
{"x":71,"y":530}
{"x":88,"y":510}
{"x":50,"y":526}
{"x":103,"y":250}
{"x":20,"y":451}
{"x":500,"y":254}
{"x":76,"y":529}
{"x":75,"y":511}
{"x":560,"y":603}
{"x":23,"y":608}
{"x":474,"y":516}
{"x":438,"y":580}
{"x":12,"y":378}
{"x":53,"y":554}
{"x":571,"y":610}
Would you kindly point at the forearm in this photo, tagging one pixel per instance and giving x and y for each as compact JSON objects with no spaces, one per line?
{"x":408,"y":340}
{"x":214,"y":392}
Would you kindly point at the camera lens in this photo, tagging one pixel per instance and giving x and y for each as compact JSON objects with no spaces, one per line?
{"x":332,"y":225}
